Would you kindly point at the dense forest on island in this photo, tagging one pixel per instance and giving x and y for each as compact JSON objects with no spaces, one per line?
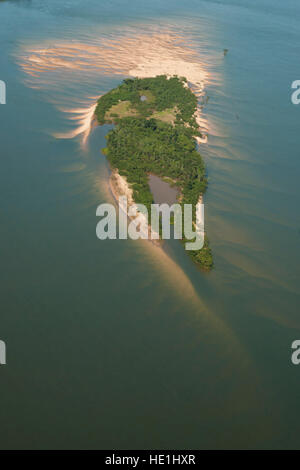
{"x":154,"y":133}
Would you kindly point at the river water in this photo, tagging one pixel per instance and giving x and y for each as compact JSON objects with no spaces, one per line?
{"x":114,"y":344}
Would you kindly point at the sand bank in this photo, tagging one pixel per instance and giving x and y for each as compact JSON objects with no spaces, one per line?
{"x":120,"y":187}
{"x":134,"y":53}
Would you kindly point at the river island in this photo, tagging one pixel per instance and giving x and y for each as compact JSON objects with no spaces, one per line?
{"x":155,"y":133}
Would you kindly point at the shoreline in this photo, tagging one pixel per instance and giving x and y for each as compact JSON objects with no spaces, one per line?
{"x":119,"y":187}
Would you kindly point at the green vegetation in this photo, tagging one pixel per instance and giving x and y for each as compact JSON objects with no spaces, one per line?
{"x":156,"y":136}
{"x":168,"y":115}
{"x":120,"y":110}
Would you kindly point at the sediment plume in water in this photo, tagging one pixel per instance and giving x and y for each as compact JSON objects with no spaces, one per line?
{"x":140,"y":55}
{"x":84,"y":118}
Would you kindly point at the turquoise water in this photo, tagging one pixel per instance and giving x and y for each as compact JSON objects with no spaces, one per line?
{"x":109,"y":344}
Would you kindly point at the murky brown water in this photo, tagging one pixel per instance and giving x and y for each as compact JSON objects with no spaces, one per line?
{"x":162,"y":191}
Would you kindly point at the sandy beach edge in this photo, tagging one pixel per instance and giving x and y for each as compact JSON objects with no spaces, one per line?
{"x":120,"y":187}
